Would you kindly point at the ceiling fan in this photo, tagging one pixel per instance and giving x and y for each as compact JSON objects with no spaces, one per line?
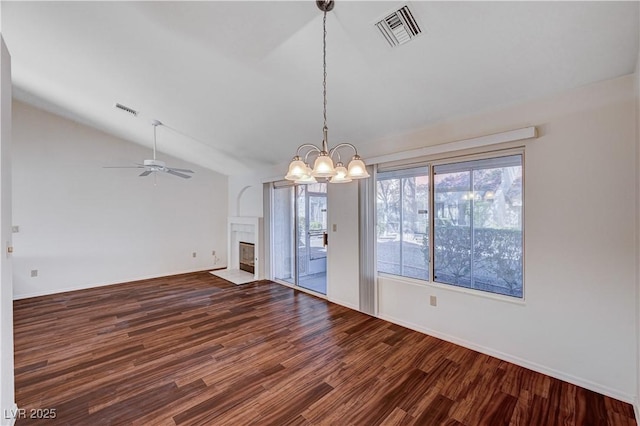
{"x":155,"y":165}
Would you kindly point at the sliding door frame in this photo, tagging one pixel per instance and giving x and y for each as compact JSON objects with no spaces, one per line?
{"x":269,"y":202}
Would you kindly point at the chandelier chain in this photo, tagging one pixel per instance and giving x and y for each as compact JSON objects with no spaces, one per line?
{"x":324,"y":66}
{"x":323,"y":167}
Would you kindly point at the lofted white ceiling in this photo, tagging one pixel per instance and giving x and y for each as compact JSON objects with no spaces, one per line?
{"x":240,"y":83}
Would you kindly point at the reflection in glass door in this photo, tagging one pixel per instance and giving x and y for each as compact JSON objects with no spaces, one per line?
{"x":299,"y":216}
{"x":283,"y":234}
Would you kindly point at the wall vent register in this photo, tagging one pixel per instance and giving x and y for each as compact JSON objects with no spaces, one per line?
{"x":399,"y":27}
{"x":127,"y":109}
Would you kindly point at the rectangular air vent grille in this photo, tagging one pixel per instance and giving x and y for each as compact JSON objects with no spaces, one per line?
{"x":127,"y":109}
{"x":399,"y":27}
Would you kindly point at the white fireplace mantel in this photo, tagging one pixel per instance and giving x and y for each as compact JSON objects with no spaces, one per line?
{"x":246,"y":229}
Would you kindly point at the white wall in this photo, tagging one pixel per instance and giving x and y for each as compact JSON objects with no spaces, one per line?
{"x":579,"y":319}
{"x":82,"y":225}
{"x":343,"y":250}
{"x":245,"y":195}
{"x":7,"y":397}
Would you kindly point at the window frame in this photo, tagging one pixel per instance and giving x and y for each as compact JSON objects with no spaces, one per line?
{"x":432,"y":163}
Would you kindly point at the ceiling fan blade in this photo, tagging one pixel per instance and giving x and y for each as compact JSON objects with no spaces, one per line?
{"x":181,"y":170}
{"x":146,"y":173}
{"x":182,"y":175}
{"x":123,"y":167}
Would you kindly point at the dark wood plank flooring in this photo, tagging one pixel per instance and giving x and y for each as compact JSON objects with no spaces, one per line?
{"x":196,"y":350}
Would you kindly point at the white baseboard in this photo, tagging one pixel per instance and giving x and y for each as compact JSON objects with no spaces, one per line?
{"x":345,"y":304}
{"x":587,"y":384}
{"x":13,"y":412}
{"x":103,"y":284}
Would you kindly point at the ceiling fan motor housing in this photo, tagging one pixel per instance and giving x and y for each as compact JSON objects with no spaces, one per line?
{"x":154,"y":164}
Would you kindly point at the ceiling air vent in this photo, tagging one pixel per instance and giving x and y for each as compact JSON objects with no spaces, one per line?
{"x":127,"y":109}
{"x":399,"y":27}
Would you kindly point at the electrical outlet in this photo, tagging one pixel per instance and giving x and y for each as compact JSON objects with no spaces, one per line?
{"x":433,"y":301}
{"x":15,"y":229}
{"x":193,"y":254}
{"x":34,"y":273}
{"x":213,"y":253}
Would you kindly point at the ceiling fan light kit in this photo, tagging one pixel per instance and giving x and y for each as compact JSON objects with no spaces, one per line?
{"x":323,"y":166}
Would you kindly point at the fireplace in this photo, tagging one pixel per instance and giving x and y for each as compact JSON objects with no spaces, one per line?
{"x":243,"y":231}
{"x":247,"y":256}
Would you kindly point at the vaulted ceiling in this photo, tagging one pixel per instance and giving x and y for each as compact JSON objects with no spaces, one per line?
{"x":239,"y":84}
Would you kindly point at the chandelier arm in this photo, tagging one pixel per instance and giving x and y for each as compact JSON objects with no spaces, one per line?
{"x":307,"y":145}
{"x":340,"y":145}
{"x":311,"y":151}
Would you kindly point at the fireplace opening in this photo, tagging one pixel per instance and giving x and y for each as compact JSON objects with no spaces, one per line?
{"x":247,"y":257}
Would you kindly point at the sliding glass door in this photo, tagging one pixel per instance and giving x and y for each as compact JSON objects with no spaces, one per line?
{"x":299,"y":223}
{"x":312,"y":230}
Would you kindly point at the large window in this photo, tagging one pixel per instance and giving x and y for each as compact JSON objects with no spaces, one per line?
{"x":476,"y":224}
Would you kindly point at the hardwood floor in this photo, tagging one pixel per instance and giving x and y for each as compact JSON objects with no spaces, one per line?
{"x":196,"y":350}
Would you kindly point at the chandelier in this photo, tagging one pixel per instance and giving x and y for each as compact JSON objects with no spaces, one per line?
{"x":323,"y":166}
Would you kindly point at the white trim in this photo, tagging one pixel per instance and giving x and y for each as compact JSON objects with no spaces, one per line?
{"x":482,"y":141}
{"x":636,"y":410}
{"x":587,"y":384}
{"x":12,"y":420}
{"x":104,"y":284}
{"x":346,"y":305}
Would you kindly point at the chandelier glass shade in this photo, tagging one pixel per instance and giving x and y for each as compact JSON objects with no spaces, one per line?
{"x":342,"y":174}
{"x":323,"y":166}
{"x":297,"y":169}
